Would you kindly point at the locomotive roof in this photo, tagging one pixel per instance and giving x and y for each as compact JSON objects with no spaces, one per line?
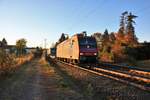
{"x":80,"y":35}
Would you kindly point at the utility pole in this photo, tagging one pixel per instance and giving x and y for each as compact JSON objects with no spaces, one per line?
{"x":45,"y":46}
{"x":45,"y":43}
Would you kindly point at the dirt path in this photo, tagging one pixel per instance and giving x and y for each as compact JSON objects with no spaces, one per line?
{"x":37,"y":81}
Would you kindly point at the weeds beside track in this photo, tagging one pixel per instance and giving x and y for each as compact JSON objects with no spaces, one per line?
{"x":134,"y":77}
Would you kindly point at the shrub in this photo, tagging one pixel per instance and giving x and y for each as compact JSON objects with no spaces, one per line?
{"x":7,"y":62}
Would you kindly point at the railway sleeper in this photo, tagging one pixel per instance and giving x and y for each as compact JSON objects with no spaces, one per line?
{"x":137,"y":78}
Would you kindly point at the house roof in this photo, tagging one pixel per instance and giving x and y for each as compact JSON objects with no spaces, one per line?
{"x":10,"y":46}
{"x":30,"y":48}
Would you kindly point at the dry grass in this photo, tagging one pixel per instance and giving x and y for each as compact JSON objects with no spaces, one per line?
{"x":43,"y":61}
{"x":96,"y":87}
{"x":21,"y":60}
{"x":9,"y":62}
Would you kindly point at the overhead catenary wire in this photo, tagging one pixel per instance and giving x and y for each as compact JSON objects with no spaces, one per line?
{"x":93,"y":10}
{"x":88,"y":14}
{"x":77,"y":12}
{"x":142,"y":10}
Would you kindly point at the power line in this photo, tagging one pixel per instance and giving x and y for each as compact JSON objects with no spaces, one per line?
{"x":143,"y":9}
{"x":89,"y":13}
{"x":82,"y":3}
{"x":92,"y":11}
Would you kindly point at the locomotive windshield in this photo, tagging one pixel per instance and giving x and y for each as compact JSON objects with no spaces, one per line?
{"x":87,"y":42}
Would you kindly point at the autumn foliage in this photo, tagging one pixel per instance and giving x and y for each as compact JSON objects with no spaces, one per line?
{"x":112,"y":47}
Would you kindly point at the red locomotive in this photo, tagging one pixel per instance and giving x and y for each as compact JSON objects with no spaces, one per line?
{"x":78,"y":49}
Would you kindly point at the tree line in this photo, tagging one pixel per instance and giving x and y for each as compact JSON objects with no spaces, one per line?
{"x":120,"y":46}
{"x":123,"y":45}
{"x":9,"y":60}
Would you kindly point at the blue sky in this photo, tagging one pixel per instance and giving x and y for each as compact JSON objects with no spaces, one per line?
{"x":36,"y":20}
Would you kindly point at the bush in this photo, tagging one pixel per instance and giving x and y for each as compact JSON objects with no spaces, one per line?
{"x":131,"y":61}
{"x":7,"y":62}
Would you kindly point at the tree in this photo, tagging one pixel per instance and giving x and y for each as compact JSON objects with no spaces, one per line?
{"x":130,"y":22}
{"x":98,"y":37}
{"x":122,"y":30}
{"x":105,"y":49}
{"x":123,"y":22}
{"x":4,"y":42}
{"x":105,"y":35}
{"x":112,"y":37}
{"x":130,"y":37}
{"x":105,"y":38}
{"x":21,"y":44}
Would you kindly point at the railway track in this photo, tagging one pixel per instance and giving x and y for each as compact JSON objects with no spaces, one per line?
{"x":134,"y":77}
{"x":127,"y":69}
{"x":131,"y":76}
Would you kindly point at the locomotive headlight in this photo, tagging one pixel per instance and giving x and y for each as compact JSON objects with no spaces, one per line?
{"x":95,"y":53}
{"x":81,"y":53}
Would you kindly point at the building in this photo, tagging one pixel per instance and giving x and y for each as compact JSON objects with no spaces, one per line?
{"x":13,"y":49}
{"x":30,"y":50}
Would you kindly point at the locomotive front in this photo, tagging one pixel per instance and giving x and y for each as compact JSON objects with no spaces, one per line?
{"x":87,"y":49}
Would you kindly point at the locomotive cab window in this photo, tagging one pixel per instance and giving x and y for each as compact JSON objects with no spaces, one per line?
{"x":87,"y":42}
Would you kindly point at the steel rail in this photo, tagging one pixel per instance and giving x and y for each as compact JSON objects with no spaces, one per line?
{"x":134,"y":80}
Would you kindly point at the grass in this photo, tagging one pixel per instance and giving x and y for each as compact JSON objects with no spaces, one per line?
{"x":96,"y":88}
{"x":13,"y":77}
{"x":13,"y":64}
{"x":73,"y":81}
{"x":63,"y":84}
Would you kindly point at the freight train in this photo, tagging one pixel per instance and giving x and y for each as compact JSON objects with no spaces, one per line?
{"x":77,"y":49}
